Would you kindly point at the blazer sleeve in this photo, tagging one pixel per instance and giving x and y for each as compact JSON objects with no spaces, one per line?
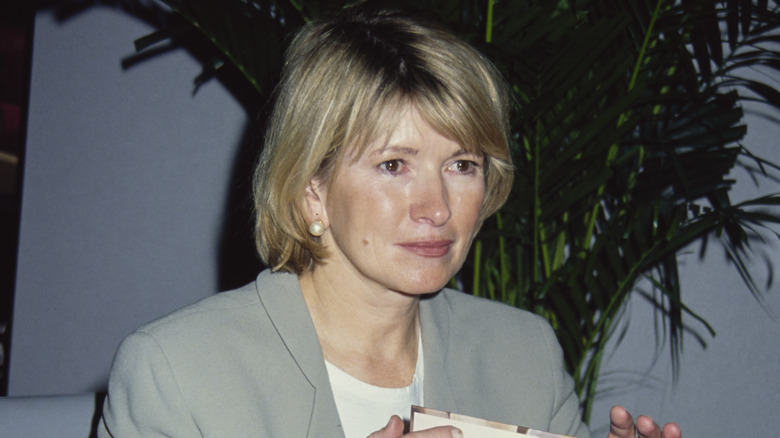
{"x":144,"y":397}
{"x":566,"y":414}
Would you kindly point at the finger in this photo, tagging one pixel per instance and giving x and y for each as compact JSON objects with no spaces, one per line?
{"x":393,"y":429}
{"x":647,"y":427}
{"x":671,"y":430}
{"x":621,"y":424}
{"x":437,"y":432}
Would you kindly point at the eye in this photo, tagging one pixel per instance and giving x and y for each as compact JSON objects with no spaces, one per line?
{"x":392,"y":166}
{"x":464,"y":166}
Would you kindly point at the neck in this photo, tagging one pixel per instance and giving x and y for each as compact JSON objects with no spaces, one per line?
{"x":369,"y":332}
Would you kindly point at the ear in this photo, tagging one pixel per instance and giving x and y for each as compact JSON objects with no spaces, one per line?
{"x":315,"y":198}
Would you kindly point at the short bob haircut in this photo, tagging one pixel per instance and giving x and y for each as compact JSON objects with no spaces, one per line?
{"x":342,"y":80}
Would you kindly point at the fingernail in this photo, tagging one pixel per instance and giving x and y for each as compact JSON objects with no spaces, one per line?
{"x":456,"y":433}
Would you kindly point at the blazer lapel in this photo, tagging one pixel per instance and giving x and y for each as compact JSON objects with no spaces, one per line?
{"x":283,"y":301}
{"x":435,"y":326}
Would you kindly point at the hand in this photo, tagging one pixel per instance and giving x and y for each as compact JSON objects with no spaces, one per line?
{"x":621,"y":425}
{"x":395,"y":429}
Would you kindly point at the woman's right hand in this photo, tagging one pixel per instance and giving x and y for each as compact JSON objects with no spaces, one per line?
{"x":395,"y":429}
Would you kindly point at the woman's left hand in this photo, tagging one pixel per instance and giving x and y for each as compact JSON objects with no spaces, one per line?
{"x":621,"y":425}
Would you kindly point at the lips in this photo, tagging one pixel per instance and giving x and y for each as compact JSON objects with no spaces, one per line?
{"x":428,"y":248}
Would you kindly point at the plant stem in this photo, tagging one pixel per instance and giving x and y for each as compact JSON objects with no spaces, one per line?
{"x":502,"y":256}
{"x":489,"y":22}
{"x":477,"y":267}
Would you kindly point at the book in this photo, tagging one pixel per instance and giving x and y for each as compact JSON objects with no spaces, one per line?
{"x":472,"y":427}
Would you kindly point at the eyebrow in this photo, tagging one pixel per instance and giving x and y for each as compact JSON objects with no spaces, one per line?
{"x":406,"y":150}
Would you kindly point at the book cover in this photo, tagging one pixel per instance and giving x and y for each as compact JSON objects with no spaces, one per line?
{"x":472,"y":427}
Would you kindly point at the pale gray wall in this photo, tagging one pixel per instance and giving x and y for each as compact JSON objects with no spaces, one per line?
{"x":125,"y":188}
{"x":125,"y":183}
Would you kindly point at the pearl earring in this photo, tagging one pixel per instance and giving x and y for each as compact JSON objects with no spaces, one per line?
{"x":316,"y":228}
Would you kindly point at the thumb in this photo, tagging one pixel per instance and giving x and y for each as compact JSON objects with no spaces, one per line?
{"x":393,"y":429}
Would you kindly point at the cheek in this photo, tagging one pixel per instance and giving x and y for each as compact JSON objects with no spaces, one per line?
{"x":363,"y":211}
{"x":470,"y":205}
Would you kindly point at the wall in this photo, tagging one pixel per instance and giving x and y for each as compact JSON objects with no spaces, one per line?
{"x":126,"y":181}
{"x":126,"y":178}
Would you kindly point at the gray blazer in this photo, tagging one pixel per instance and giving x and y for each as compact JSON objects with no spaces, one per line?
{"x":247,"y":363}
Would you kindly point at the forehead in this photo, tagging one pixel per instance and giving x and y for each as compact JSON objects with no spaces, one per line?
{"x":400,"y":127}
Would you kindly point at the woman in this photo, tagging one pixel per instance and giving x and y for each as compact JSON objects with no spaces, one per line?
{"x":386,"y":151}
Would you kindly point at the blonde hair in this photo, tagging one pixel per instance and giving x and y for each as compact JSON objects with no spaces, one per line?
{"x":341,"y":80}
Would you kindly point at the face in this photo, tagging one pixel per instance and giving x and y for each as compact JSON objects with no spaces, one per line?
{"x":402,"y":215}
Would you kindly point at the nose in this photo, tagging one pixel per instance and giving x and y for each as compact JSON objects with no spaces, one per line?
{"x":430,"y":201}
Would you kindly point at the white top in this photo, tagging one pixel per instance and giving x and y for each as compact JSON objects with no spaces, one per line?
{"x":365,"y":408}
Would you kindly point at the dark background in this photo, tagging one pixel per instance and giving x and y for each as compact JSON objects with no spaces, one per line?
{"x":16,"y":20}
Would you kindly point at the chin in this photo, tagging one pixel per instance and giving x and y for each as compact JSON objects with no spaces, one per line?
{"x":421,"y":283}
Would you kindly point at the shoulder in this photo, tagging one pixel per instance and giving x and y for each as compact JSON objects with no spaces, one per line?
{"x":509,"y":363}
{"x":504,"y":342}
{"x":226,"y":334}
{"x":221,"y":311}
{"x":210,"y":368}
{"x":482,"y":317}
{"x":212,"y":307}
{"x":225,"y":326}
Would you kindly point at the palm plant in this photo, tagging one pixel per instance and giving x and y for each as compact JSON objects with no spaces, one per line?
{"x":627,"y":126}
